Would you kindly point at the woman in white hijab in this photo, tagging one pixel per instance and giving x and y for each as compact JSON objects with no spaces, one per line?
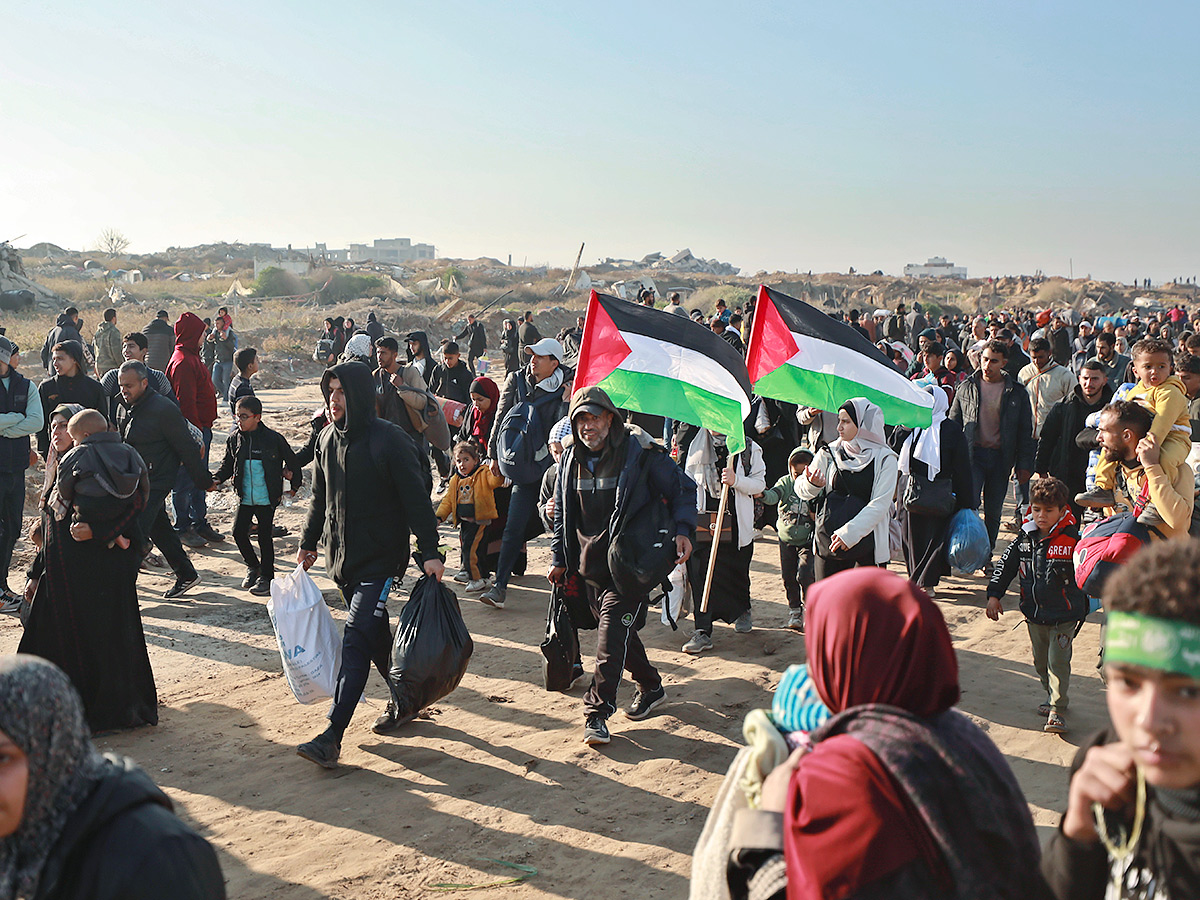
{"x":856,"y":470}
{"x":934,"y":454}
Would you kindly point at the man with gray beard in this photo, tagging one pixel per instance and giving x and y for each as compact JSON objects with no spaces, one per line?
{"x":598,"y":492}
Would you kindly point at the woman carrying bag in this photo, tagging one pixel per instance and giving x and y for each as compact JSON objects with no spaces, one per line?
{"x":935,"y":484}
{"x":857,"y":475}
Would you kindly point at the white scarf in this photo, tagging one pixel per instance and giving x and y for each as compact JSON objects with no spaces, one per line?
{"x":855,"y":455}
{"x":926,"y":443}
{"x":700,"y":464}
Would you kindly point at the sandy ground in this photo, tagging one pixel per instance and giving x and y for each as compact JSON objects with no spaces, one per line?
{"x":499,"y":772}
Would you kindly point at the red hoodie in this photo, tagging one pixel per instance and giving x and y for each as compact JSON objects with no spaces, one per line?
{"x":190,"y":380}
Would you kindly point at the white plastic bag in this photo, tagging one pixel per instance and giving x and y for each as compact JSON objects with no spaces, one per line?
{"x":674,"y":601}
{"x":308,"y":638}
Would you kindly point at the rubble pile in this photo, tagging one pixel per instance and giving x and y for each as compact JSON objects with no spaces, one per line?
{"x":683,"y":261}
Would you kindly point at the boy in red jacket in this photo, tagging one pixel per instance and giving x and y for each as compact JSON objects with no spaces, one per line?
{"x":198,"y":402}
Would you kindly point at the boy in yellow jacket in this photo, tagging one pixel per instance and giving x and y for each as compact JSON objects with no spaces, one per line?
{"x":1164,"y":395}
{"x":470,"y":503}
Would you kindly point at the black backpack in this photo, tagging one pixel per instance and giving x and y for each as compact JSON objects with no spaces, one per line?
{"x":641,"y":554}
{"x":521,"y":446}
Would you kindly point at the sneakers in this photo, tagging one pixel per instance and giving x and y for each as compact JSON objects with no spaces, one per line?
{"x":480,"y":584}
{"x":323,"y":750}
{"x":181,"y":586}
{"x":9,"y":602}
{"x":462,"y":576}
{"x":1096,"y":498}
{"x":744,"y":623}
{"x":493,"y":597}
{"x":1054,"y":724}
{"x":645,"y":702}
{"x":698,"y":644}
{"x":210,"y":534}
{"x":262,"y":587}
{"x":795,"y":620}
{"x":251,"y":578}
{"x":595,"y":731}
{"x":191,"y":539}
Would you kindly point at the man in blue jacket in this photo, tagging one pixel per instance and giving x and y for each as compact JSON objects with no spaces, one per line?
{"x":595,"y":495}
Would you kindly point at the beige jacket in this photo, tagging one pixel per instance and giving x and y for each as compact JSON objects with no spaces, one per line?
{"x":1173,"y":500}
{"x":1046,"y":389}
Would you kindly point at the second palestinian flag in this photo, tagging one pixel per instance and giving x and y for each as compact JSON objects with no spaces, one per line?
{"x":664,"y":365}
{"x":798,"y":354}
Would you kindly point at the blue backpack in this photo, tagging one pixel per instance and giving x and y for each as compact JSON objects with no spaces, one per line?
{"x":521,"y":447}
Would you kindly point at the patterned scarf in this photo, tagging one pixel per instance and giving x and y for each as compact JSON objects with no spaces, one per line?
{"x":41,"y":713}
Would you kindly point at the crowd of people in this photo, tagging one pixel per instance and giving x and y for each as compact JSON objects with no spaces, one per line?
{"x":896,"y":794}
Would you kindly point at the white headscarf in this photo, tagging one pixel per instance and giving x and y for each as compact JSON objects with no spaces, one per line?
{"x":857,"y":454}
{"x":926,"y":443}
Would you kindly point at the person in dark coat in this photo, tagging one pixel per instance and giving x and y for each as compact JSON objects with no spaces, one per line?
{"x":69,"y":384}
{"x":75,"y":825}
{"x":374,"y":328}
{"x":1058,"y":451}
{"x":66,"y":328}
{"x":528,"y":332}
{"x":940,"y":456}
{"x":475,"y":339}
{"x":160,"y":337}
{"x":510,"y":346}
{"x":364,"y":514}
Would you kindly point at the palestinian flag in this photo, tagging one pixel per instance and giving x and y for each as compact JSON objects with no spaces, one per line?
{"x":664,"y":365}
{"x":800,"y":355}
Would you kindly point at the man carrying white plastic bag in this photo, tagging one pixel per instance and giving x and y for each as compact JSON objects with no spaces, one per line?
{"x":309,"y":642}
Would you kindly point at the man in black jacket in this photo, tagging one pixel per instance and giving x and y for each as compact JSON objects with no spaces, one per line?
{"x":594,"y":499}
{"x":21,"y":415}
{"x":475,"y":338}
{"x":156,"y":429}
{"x":65,"y":329}
{"x":528,"y":332}
{"x":364,"y":513}
{"x":1058,"y":450}
{"x":997,"y":422}
{"x":161,"y":338}
{"x":69,"y":384}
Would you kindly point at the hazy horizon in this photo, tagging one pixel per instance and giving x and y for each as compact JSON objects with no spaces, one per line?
{"x":1006,"y":138}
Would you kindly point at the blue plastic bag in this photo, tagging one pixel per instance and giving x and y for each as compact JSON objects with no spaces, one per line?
{"x":967,"y":545}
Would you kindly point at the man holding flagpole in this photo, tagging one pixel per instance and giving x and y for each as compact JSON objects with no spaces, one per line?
{"x":608,"y":479}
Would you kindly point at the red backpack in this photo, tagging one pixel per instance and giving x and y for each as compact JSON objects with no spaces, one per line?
{"x":1104,"y":546}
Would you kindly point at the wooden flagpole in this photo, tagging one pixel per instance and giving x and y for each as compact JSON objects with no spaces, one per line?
{"x":716,"y":535}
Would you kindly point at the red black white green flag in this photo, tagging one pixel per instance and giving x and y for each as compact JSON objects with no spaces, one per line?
{"x":798,"y":354}
{"x":664,"y":365}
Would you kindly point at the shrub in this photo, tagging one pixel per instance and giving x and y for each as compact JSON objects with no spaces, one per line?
{"x":275,"y":282}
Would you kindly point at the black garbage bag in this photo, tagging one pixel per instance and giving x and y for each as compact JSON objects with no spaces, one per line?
{"x":561,"y":644}
{"x":431,"y":649}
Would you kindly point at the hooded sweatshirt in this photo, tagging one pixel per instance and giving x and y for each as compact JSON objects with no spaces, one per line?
{"x":64,"y":329}
{"x":79,"y":388}
{"x":425,"y":364}
{"x":189,"y":378}
{"x":365,"y":511}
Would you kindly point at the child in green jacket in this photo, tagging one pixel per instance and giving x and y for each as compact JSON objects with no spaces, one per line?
{"x":795,"y":524}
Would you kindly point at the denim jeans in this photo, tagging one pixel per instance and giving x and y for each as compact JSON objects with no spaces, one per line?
{"x":191,"y":505}
{"x":222,"y":374}
{"x":521,"y":508}
{"x":990,"y":476}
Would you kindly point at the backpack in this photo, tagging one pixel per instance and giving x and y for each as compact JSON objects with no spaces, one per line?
{"x":324,"y":351}
{"x":521,"y":446}
{"x":1106,"y":545}
{"x":641,"y":554}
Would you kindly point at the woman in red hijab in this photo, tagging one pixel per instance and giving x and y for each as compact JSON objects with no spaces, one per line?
{"x":477,"y":421}
{"x":901,"y":796}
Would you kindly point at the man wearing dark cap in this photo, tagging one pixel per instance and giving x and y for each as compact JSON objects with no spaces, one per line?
{"x":69,"y":384}
{"x":20,"y":416}
{"x":596,"y":496}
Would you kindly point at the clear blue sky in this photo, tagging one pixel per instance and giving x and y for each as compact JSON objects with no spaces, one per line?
{"x":1007,"y":137}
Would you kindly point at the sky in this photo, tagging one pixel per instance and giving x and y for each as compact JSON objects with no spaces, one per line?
{"x":793,"y":136}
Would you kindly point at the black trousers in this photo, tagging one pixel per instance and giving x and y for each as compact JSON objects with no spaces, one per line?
{"x":265,"y":516}
{"x":471,"y":547}
{"x":796,"y":565}
{"x":366,"y":641}
{"x":823,"y":568}
{"x":157,"y":527}
{"x":12,"y":505}
{"x":618,"y":649}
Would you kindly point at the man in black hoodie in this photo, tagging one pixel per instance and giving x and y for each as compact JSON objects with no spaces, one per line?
{"x":65,"y":329}
{"x":69,"y":384}
{"x":364,"y":519}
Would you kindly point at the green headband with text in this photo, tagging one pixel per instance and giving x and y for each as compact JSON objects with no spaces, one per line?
{"x":1169,"y":645}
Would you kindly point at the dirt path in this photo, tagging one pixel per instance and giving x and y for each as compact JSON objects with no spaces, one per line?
{"x":499,"y":771}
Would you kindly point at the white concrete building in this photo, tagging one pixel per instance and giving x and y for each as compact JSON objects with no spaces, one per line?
{"x":936,"y":267}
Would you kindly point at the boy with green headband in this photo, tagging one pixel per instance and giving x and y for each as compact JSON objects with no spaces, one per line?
{"x":1132,"y":825}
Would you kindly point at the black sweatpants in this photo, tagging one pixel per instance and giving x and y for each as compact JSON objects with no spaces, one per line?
{"x":618,"y":649}
{"x":471,"y":548}
{"x":366,"y":640}
{"x":157,"y":527}
{"x":796,"y":565}
{"x":265,"y":516}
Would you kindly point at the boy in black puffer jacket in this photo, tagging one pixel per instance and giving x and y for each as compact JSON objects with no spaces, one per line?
{"x":1052,"y":603}
{"x":257,"y":456}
